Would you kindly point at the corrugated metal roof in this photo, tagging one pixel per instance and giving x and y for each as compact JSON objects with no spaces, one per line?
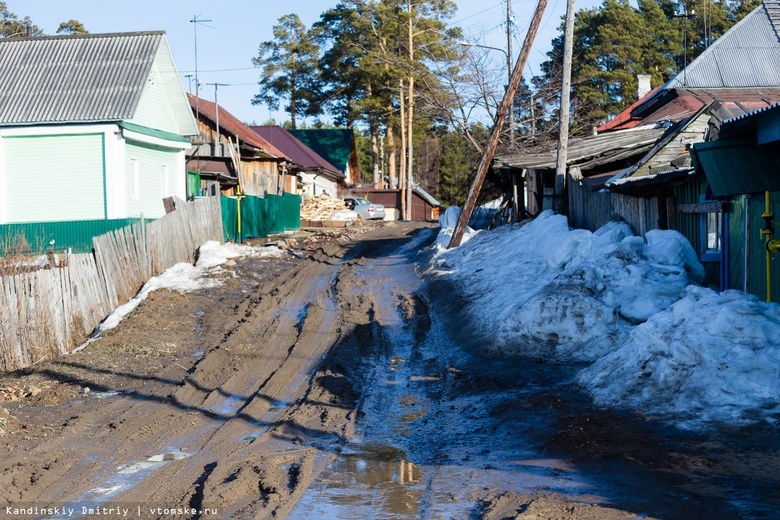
{"x":74,"y":78}
{"x":591,"y":150}
{"x":230,"y":124}
{"x":332,"y":144}
{"x":738,"y":166}
{"x":297,"y":151}
{"x":748,"y":55}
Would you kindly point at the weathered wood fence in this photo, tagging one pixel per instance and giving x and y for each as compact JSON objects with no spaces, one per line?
{"x":47,"y":313}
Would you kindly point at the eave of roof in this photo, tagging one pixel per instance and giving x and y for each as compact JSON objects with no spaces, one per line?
{"x":230,"y":124}
{"x":589,"y":151}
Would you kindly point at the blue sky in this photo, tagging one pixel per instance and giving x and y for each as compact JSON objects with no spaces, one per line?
{"x":231,"y":40}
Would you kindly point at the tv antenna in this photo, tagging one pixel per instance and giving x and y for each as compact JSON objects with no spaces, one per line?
{"x":195,"y":21}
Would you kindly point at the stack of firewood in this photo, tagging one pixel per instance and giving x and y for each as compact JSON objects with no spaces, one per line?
{"x":320,"y":208}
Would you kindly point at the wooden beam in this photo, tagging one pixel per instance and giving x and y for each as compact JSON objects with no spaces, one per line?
{"x":498,"y":124}
{"x":717,"y":206}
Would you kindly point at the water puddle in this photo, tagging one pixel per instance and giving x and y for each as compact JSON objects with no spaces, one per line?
{"x":125,"y":478}
{"x":229,"y":406}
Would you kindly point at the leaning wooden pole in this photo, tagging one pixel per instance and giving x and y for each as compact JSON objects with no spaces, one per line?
{"x":498,"y":124}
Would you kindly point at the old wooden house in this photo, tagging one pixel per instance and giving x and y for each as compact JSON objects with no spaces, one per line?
{"x":740,"y":172}
{"x":227,"y":154}
{"x":659,"y":187}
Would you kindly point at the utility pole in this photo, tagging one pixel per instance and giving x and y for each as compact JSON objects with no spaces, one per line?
{"x":498,"y":124}
{"x":216,"y":108}
{"x":509,"y":68}
{"x":410,"y":114}
{"x":561,"y":182}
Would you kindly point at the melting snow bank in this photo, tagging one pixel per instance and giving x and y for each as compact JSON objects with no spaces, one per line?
{"x":659,"y":343}
{"x":547,"y":290}
{"x":184,"y":277}
{"x":710,"y":356}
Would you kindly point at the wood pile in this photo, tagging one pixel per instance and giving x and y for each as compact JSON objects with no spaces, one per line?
{"x":320,"y":208}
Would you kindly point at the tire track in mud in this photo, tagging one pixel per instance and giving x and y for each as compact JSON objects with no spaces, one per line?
{"x":246,"y":424}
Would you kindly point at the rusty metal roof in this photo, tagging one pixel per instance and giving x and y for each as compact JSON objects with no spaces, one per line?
{"x":590,"y":151}
{"x":230,"y":124}
{"x":74,"y":78}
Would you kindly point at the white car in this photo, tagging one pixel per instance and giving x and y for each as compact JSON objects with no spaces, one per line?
{"x":365,"y":208}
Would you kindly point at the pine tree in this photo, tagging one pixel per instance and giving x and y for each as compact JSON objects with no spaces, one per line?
{"x":289,"y":64}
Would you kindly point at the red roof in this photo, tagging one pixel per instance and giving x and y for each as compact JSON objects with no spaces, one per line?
{"x":230,"y":124}
{"x":624,"y":120}
{"x":297,"y":151}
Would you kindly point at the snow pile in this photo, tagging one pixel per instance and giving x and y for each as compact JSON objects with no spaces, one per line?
{"x":344,"y":215}
{"x":547,"y":290}
{"x":448,"y":220}
{"x":184,"y":277}
{"x":712,"y":356}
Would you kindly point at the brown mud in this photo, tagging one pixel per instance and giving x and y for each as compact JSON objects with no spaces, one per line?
{"x":335,"y":382}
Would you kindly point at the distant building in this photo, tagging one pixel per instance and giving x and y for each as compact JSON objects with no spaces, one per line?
{"x":317,"y":176}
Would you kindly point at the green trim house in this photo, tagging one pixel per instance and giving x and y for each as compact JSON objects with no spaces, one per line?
{"x":92,"y":128}
{"x":740,"y":167}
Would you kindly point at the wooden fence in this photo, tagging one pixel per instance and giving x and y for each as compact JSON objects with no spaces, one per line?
{"x":47,"y":313}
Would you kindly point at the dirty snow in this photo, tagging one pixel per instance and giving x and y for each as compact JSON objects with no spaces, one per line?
{"x":184,"y":277}
{"x":658,"y":341}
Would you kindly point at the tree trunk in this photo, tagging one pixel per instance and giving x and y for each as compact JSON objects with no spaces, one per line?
{"x":410,"y":130}
{"x":391,"y":163}
{"x":374,"y":130}
{"x":402,"y":171}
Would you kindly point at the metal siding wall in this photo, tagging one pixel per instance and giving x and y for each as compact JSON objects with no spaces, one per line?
{"x":737,"y":242}
{"x":154,"y":108}
{"x":757,"y":250}
{"x":76,"y":235}
{"x":55,"y":178}
{"x":151,"y":161}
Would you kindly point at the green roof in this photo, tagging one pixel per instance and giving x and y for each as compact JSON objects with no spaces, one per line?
{"x":334,"y":145}
{"x":739,"y":166}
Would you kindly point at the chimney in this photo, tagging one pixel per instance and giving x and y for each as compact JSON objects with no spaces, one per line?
{"x":644,"y":85}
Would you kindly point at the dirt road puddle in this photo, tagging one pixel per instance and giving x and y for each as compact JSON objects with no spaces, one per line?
{"x":125,"y":478}
{"x":432,"y":440}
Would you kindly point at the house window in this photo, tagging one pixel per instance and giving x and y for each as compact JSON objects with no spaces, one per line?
{"x":712,"y":233}
{"x":164,"y":182}
{"x":136,"y":178}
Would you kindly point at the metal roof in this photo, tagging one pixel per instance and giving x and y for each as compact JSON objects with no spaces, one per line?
{"x":738,"y":166}
{"x":230,"y":124}
{"x":333,"y":144}
{"x":588,"y":151}
{"x":298,"y":152}
{"x":747,"y":55}
{"x":74,"y":78}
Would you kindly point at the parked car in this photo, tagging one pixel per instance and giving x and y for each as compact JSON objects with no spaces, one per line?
{"x":365,"y":208}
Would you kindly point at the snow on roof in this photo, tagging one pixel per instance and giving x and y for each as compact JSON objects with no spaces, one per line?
{"x":659,"y":341}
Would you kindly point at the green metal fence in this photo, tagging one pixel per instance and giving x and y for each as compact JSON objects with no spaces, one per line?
{"x":261,"y":217}
{"x":37,"y":237}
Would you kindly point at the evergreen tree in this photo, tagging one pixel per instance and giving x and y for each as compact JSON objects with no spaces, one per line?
{"x":11,"y":26}
{"x":616,"y":42}
{"x":71,"y":27}
{"x":289,"y":64}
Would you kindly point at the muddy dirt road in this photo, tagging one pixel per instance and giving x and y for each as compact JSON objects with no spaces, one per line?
{"x":339,"y":382}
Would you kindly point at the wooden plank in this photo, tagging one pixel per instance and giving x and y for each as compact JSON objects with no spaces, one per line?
{"x":705,"y":207}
